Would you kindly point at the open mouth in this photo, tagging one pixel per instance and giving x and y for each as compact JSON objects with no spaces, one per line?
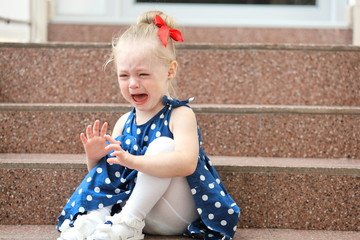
{"x":139,"y":99}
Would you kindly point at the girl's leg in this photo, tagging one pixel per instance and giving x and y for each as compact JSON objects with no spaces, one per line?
{"x":168,"y":208}
{"x":170,"y":198}
{"x":166,"y":204}
{"x":174,"y":211}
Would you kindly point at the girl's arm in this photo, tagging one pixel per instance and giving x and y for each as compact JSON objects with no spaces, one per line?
{"x":181,"y":162}
{"x":119,"y":126}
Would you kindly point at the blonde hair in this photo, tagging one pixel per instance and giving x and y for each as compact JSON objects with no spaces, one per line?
{"x":145,"y":29}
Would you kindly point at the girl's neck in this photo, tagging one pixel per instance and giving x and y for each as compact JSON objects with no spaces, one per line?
{"x":143,"y":117}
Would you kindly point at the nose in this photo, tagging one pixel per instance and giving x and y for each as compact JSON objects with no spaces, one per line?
{"x":134,"y":83}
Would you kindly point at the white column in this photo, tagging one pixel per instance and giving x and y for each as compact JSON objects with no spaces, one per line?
{"x":39,"y":20}
{"x":356,"y":23}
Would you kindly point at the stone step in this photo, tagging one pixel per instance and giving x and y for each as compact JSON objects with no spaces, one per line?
{"x":228,"y":74}
{"x":309,"y":194}
{"x":233,"y":130}
{"x":12,"y":232}
{"x":58,"y":32}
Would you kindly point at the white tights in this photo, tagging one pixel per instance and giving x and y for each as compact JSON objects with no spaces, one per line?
{"x":166,"y":204}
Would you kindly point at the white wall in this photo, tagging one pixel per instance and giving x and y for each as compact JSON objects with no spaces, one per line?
{"x":356,"y":23}
{"x":23,"y":20}
{"x":17,"y":10}
{"x":327,"y":13}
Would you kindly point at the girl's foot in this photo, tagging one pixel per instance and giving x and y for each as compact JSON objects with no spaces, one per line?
{"x":119,"y":227}
{"x":70,"y":233}
{"x":83,"y":227}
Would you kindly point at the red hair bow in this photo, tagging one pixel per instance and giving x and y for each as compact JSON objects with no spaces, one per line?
{"x":164,"y":31}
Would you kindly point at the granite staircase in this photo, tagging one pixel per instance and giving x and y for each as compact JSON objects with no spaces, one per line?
{"x":280,"y":122}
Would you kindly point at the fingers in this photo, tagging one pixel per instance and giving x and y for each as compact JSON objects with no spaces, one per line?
{"x":111,"y":139}
{"x":89,"y":133}
{"x":117,"y":158}
{"x":96,"y":128}
{"x":113,"y":161}
{"x":93,"y":131}
{"x":122,"y":158}
{"x":114,"y":146}
{"x":103,"y":129}
{"x":83,"y":138}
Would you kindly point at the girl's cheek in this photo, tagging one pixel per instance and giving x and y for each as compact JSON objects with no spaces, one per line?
{"x":124,"y":90}
{"x":123,"y":85}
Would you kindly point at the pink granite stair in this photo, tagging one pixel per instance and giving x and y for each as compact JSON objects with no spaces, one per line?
{"x":12,"y":232}
{"x":224,"y":74}
{"x":103,"y":33}
{"x":230,"y":130}
{"x":272,"y":192}
{"x":282,"y":123}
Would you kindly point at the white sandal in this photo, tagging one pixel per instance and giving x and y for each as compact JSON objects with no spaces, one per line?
{"x":79,"y":231}
{"x":69,"y":233}
{"x":119,"y":227}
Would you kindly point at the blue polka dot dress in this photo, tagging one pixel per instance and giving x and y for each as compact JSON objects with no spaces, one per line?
{"x":110,"y":184}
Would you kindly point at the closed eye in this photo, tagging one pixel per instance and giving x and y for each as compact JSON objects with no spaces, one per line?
{"x":123,"y":75}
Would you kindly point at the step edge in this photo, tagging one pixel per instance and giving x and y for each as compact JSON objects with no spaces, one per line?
{"x":48,"y":231}
{"x":199,"y":46}
{"x":65,"y":107}
{"x":198,"y":108}
{"x":340,"y":166}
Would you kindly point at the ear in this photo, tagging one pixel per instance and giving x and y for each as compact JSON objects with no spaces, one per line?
{"x":172,"y":69}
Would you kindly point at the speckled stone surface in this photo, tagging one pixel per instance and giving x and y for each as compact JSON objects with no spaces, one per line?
{"x":104,"y":33}
{"x":277,"y":135}
{"x":285,"y":200}
{"x":292,"y":193}
{"x":310,"y":136}
{"x":301,"y":77}
{"x":227,"y":74}
{"x":34,"y":188}
{"x":48,"y":132}
{"x":266,"y":135}
{"x":56,"y":75}
{"x":11,"y":232}
{"x":35,"y":196}
{"x":314,"y":201}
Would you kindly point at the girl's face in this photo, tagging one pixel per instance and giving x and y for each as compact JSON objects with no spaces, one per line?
{"x":142,"y":76}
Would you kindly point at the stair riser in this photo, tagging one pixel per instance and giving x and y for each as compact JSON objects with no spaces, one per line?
{"x":104,"y":33}
{"x":267,"y":200}
{"x":281,"y":135}
{"x":242,"y":75}
{"x":267,"y":135}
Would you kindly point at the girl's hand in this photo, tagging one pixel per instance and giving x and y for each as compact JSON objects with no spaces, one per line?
{"x":94,"y":143}
{"x":120,"y":156}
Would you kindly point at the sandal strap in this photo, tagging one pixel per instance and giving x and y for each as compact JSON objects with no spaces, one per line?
{"x":134,"y":223}
{"x":131,"y":222}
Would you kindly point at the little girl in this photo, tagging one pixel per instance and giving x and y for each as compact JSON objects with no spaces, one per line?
{"x":151,"y":176}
